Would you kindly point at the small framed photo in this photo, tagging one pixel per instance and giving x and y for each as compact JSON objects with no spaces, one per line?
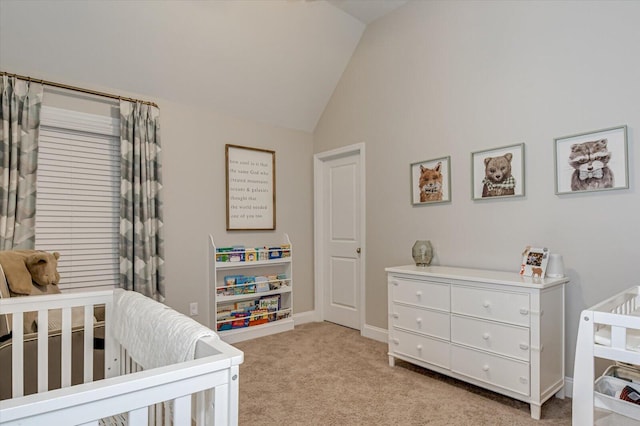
{"x":431,"y":181}
{"x":498,"y":172}
{"x":592,"y":161}
{"x":534,"y":262}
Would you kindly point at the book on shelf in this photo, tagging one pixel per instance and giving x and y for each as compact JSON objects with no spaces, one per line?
{"x":240,"y":253}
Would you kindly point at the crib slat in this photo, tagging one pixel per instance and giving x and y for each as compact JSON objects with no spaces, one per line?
{"x":139,"y":417}
{"x":88,"y":343}
{"x":210,"y":413}
{"x":207,"y":408}
{"x":199,"y":409}
{"x":618,"y":337}
{"x":128,"y":362}
{"x":123,"y":360}
{"x":221,"y":404}
{"x":182,"y":410}
{"x":111,"y":352}
{"x":65,"y":347}
{"x":152,"y":414}
{"x":17,"y":354}
{"x":43,"y":351}
{"x":157,"y":414}
{"x":166,"y":418}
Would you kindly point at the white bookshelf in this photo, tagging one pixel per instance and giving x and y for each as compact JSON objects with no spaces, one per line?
{"x":224,"y":297}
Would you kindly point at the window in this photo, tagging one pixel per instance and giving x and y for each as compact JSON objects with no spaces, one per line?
{"x":78,"y":196}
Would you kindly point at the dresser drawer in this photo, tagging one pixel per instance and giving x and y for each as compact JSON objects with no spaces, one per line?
{"x":495,"y":305}
{"x":433,"y":323}
{"x":429,"y":294}
{"x":500,"y":338}
{"x":502,"y":372}
{"x":429,"y":350}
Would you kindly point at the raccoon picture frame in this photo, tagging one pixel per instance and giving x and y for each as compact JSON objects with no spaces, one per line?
{"x":498,"y":173}
{"x":592,"y":161}
{"x":431,"y":181}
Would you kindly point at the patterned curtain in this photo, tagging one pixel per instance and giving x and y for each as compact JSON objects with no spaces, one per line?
{"x":19,"y":129}
{"x":141,"y":231}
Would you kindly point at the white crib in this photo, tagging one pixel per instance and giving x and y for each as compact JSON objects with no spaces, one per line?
{"x":609,"y":330}
{"x":202,"y":391}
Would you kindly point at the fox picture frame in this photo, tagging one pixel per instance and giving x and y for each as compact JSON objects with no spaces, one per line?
{"x":431,"y":181}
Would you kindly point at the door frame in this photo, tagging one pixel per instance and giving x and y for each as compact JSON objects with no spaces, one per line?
{"x":318,"y":228}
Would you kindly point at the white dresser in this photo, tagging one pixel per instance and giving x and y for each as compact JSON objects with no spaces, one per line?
{"x":497,"y":330}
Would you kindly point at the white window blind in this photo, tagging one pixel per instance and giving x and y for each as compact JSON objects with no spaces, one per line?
{"x":78,"y":196}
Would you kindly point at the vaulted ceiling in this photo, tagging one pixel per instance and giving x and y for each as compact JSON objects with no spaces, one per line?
{"x":273,"y":61}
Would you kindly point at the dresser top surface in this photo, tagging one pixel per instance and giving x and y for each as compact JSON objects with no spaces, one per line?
{"x":469,"y":274}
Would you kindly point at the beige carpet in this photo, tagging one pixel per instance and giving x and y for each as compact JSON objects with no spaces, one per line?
{"x":325,"y":374}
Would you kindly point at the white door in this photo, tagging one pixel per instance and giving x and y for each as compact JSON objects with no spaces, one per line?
{"x":339,"y":213}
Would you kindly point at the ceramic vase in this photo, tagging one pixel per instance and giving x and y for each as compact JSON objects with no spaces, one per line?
{"x":422,"y":252}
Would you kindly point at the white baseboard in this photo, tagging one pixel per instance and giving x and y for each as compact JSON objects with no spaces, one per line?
{"x":568,"y":387}
{"x":368,"y":331}
{"x":305,"y":317}
{"x":375,"y":333}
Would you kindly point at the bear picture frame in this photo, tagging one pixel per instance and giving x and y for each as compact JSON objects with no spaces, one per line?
{"x":591,"y":161}
{"x":431,"y":181}
{"x":498,"y":173}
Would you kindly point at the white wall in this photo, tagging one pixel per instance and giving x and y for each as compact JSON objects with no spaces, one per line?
{"x":442,"y":78}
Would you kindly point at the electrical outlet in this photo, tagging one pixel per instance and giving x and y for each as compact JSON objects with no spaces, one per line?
{"x":193,"y":309}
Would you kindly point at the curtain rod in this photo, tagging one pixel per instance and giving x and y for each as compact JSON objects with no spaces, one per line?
{"x":77,"y":89}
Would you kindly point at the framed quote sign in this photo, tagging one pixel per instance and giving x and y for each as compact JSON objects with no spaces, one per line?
{"x":251,"y":188}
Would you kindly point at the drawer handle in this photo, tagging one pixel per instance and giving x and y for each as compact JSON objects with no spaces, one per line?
{"x":419,"y":348}
{"x":486,"y":336}
{"x":394,"y":315}
{"x":524,"y":311}
{"x":485,"y":368}
{"x":396,"y":341}
{"x":419,"y":320}
{"x":394,"y":283}
{"x":486,"y":304}
{"x":524,"y":347}
{"x":419,"y":294}
{"x":524,"y":380}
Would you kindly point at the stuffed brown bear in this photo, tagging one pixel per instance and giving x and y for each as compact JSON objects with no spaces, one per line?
{"x":30,"y":272}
